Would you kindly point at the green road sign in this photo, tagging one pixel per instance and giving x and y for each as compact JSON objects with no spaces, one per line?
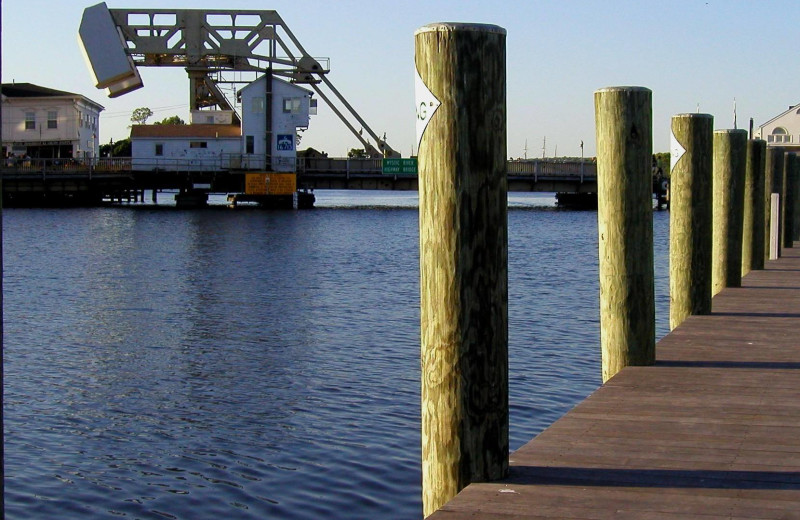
{"x":400,"y":166}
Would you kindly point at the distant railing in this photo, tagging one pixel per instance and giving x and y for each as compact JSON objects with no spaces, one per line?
{"x":310,"y":165}
{"x":561,"y":167}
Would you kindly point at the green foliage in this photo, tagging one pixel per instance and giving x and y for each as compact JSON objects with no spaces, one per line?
{"x":172,"y":120}
{"x":121,"y":148}
{"x":662,"y":160}
{"x":141,"y":115}
{"x":357,"y":153}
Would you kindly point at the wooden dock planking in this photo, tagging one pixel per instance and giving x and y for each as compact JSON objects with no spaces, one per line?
{"x":711,"y":431}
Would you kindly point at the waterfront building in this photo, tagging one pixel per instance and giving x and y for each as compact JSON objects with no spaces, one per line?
{"x":41,"y":122}
{"x":200,"y":147}
{"x":782,"y":130}
{"x":214,"y":139}
{"x":290,"y":113}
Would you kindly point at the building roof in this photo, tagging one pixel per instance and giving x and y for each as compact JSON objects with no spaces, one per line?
{"x":185,"y":131}
{"x":29,"y":90}
{"x":279,"y":80}
{"x":791,"y":108}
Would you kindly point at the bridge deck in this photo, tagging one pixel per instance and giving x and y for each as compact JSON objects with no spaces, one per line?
{"x":712,"y":431}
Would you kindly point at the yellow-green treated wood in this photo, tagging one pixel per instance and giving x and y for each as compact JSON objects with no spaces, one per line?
{"x":773,"y":183}
{"x":754,"y":215}
{"x":730,"y":156}
{"x":796,"y":195}
{"x":690,"y":218}
{"x":774,"y":226}
{"x":623,"y":127}
{"x":789,"y":182}
{"x":463,"y":259}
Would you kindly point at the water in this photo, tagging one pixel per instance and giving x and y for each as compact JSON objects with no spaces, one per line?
{"x":255,"y":364}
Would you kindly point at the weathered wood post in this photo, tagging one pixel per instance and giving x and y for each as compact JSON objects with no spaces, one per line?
{"x":774,"y":226}
{"x":623,"y":126}
{"x":463,"y":256}
{"x":754,"y":207}
{"x":773,"y":182}
{"x":730,"y":155}
{"x":796,"y":223}
{"x":690,"y":217}
{"x":790,"y":181}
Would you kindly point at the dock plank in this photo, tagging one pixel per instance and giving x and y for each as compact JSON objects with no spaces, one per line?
{"x":710,"y":431}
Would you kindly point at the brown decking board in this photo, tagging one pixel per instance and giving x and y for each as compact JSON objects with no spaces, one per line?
{"x":711,"y":431}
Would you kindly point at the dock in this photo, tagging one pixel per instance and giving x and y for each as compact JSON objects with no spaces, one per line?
{"x":711,"y":431}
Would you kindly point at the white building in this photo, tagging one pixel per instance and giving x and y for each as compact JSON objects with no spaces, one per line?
{"x":213,"y":140}
{"x":782,"y":130}
{"x":42,"y":122}
{"x":200,"y":147}
{"x":292,"y":107}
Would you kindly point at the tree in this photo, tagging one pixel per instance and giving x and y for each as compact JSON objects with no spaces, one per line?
{"x":357,"y":153}
{"x":173,"y":120}
{"x":121,"y":148}
{"x":140,"y":115}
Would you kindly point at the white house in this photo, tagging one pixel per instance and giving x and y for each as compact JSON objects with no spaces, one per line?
{"x":201,"y":147}
{"x":41,"y":122}
{"x":783,"y":130}
{"x":291,"y":108}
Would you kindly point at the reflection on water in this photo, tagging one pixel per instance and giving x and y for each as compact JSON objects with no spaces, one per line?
{"x":252,"y":364}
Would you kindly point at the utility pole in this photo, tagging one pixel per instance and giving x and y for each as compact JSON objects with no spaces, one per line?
{"x":544,"y":146}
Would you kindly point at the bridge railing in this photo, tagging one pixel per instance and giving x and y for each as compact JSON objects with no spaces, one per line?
{"x":338,"y":165}
{"x":552,"y":167}
{"x":311,"y":165}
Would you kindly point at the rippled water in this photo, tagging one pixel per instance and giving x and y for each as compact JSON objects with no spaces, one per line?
{"x":252,"y":364}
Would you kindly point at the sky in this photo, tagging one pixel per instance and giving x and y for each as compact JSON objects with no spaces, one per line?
{"x":693,"y":54}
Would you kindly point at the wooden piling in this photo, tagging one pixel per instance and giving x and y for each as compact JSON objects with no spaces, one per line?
{"x":789,"y":207}
{"x":463,"y":256}
{"x":690,"y":217}
{"x":773,"y":183}
{"x":730,"y":155}
{"x":796,"y":223}
{"x":774,"y":226}
{"x":623,"y":127}
{"x":755,"y":212}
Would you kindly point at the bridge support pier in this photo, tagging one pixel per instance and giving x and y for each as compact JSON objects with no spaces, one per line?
{"x":191,"y":199}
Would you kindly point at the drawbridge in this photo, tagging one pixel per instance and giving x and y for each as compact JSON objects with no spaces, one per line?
{"x":217,"y":48}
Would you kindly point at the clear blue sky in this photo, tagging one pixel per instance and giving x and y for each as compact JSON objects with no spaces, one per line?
{"x":689,"y":52}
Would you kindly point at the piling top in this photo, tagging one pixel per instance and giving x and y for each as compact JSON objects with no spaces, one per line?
{"x":694,"y":115}
{"x":622,"y":89}
{"x":459,"y":26}
{"x":731,"y":131}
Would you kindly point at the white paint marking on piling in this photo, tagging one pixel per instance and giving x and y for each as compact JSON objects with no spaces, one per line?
{"x":426,"y":105}
{"x":676,"y":151}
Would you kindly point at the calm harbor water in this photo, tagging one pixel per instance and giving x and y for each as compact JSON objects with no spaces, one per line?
{"x":253,"y":364}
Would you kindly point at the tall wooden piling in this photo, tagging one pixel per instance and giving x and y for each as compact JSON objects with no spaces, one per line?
{"x":463,"y":256}
{"x":690,"y":217}
{"x":789,"y":206}
{"x":730,"y":155}
{"x":753,"y":210}
{"x":623,"y":127}
{"x":796,"y":223}
{"x":773,"y":183}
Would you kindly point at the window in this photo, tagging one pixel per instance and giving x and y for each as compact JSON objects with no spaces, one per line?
{"x":258,"y":105}
{"x":198,"y":144}
{"x":779,"y":135}
{"x":159,"y":149}
{"x":52,"y":119}
{"x":249,"y":144}
{"x":30,"y":121}
{"x":291,"y":105}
